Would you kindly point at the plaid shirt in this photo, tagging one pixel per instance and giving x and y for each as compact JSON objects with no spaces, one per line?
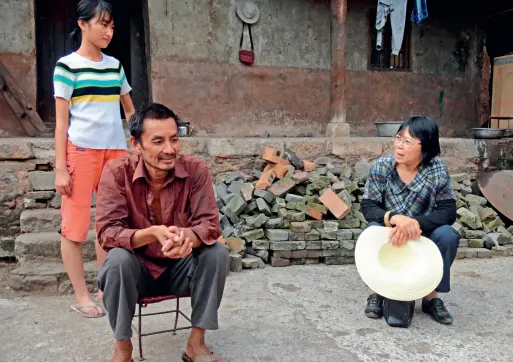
{"x":431,"y":184}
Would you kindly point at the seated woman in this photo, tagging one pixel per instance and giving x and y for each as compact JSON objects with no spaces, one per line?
{"x":410,"y":191}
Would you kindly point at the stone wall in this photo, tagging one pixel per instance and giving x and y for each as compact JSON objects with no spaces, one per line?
{"x":26,"y":165}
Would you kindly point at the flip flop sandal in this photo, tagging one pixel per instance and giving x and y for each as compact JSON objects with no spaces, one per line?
{"x":80,"y":311}
{"x":202,"y":358}
{"x":96,"y":299}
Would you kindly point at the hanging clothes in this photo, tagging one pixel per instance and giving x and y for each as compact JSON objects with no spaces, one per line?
{"x":396,"y":10}
{"x":420,"y":12}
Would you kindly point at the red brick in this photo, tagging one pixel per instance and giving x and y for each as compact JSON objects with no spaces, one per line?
{"x":300,"y":177}
{"x":309,"y":166}
{"x":266,"y":180}
{"x":275,"y":156}
{"x":336,"y":206}
{"x":299,"y":254}
{"x":312,"y":212}
{"x":282,"y":254}
{"x":280,"y":170}
{"x":281,"y":187}
{"x":220,"y":158}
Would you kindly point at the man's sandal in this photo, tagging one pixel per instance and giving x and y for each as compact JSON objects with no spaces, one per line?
{"x":202,"y":358}
{"x":80,"y":310}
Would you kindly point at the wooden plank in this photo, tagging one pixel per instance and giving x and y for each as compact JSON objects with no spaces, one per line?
{"x":17,"y":109}
{"x":26,"y":111}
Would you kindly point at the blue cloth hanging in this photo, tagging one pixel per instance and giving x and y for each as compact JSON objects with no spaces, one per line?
{"x":419,"y":13}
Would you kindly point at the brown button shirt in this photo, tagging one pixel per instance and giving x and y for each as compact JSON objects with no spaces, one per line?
{"x":125,"y":205}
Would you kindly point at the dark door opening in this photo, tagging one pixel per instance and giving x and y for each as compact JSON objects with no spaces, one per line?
{"x":55,"y":20}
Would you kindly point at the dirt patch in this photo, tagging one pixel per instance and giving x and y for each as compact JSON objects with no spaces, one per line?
{"x":366,"y":331}
{"x":287,"y":287}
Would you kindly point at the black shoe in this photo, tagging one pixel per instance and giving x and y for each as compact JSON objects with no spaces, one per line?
{"x":436,"y":309}
{"x":374,"y":307}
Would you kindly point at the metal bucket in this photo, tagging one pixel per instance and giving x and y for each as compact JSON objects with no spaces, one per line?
{"x":387,"y":129}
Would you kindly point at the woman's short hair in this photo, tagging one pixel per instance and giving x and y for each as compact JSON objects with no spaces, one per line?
{"x":426,"y":131}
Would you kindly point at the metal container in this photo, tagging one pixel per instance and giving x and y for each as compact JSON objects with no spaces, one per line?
{"x":488,"y":133}
{"x":185,"y":129}
{"x":496,"y":188}
{"x":388,"y":129}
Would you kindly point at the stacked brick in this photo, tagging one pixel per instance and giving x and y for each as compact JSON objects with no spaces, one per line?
{"x":290,"y":211}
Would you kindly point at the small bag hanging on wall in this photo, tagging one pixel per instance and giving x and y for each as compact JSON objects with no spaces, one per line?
{"x":246,"y":56}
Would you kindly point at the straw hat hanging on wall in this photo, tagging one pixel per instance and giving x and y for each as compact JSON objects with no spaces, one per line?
{"x":248,"y":11}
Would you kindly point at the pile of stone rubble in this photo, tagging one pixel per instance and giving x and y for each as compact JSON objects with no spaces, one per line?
{"x":290,"y":212}
{"x":478,"y":223}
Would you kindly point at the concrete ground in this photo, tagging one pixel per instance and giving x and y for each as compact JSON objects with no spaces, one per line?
{"x":302,"y":313}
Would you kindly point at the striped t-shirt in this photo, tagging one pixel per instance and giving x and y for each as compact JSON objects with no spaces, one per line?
{"x":93,"y":90}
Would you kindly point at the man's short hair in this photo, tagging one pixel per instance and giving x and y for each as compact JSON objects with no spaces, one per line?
{"x":426,"y":130}
{"x":149,"y":111}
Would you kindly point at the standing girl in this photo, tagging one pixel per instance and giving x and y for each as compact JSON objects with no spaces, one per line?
{"x":89,"y":86}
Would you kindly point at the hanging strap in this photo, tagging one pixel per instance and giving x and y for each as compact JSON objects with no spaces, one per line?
{"x":242,"y":35}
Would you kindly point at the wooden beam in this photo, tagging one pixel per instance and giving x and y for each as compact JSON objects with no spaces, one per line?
{"x":29,"y":118}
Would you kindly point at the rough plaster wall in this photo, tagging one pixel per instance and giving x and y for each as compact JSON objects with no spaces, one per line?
{"x":16,"y":26}
{"x":17,"y":52}
{"x":290,"y":33}
{"x":380,"y":96}
{"x":196,"y":71}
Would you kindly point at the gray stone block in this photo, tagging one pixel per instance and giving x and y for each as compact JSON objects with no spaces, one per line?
{"x":278,"y":262}
{"x":313,"y":235}
{"x":348,"y":244}
{"x":257,"y":220}
{"x":287,"y":245}
{"x":344,"y":234}
{"x":328,"y":235}
{"x":314,"y":253}
{"x":253,"y":234}
{"x":291,"y":198}
{"x":300,"y":227}
{"x":313,"y":245}
{"x":330,"y":244}
{"x":277,"y":234}
{"x":42,"y":180}
{"x":330,"y":226}
{"x":235,"y":262}
{"x":264,"y":194}
{"x":274,"y":223}
{"x":348,"y":223}
{"x":249,"y":263}
{"x":260,"y":244}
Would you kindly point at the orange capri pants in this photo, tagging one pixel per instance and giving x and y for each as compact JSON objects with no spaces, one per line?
{"x":85,"y":167}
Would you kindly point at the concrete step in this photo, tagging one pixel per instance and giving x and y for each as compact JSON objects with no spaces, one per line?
{"x":48,"y":277}
{"x":33,"y":246}
{"x":45,"y":220}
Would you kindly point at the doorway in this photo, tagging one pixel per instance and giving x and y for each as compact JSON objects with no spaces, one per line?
{"x":55,"y":20}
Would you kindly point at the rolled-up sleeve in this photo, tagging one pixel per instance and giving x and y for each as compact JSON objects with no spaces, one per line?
{"x":204,"y":219}
{"x":112,"y":212}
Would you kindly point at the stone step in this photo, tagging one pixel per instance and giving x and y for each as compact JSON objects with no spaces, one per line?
{"x":33,"y":246}
{"x":45,"y":220}
{"x":48,"y":277}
